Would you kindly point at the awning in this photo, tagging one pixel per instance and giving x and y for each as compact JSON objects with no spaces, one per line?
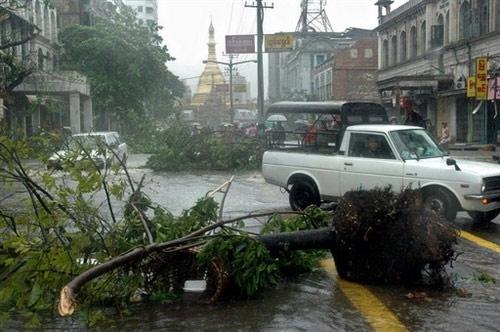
{"x":413,"y":82}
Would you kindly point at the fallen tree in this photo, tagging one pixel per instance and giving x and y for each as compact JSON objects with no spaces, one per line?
{"x":376,"y":236}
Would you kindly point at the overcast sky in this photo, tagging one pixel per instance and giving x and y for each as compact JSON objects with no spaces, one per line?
{"x":185,"y":27}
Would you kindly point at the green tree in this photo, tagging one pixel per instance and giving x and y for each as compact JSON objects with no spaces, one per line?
{"x":126,"y":65}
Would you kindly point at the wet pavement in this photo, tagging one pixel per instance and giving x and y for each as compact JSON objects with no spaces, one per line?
{"x":316,"y":301}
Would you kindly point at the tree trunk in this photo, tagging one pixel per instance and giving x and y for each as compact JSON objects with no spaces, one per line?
{"x":323,"y":238}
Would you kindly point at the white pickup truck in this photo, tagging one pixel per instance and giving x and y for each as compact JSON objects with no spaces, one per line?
{"x":378,"y":155}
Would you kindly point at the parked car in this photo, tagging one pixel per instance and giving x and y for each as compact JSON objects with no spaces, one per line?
{"x":378,"y":155}
{"x":101,"y":148}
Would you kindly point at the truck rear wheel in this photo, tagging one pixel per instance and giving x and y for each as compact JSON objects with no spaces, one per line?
{"x":302,"y":195}
{"x":440,"y":201}
{"x":481,"y":218}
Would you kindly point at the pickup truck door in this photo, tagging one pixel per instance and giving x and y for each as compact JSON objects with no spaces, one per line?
{"x":370,"y":162}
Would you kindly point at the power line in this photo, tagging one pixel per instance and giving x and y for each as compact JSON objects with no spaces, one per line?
{"x":230,"y":18}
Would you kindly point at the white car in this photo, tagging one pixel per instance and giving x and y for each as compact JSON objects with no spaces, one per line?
{"x":102,"y":148}
{"x":368,"y":156}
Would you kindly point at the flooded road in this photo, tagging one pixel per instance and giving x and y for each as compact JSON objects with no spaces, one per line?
{"x":318,"y":301}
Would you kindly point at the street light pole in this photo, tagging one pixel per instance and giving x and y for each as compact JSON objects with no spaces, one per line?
{"x":230,"y":65}
{"x":231,"y":101}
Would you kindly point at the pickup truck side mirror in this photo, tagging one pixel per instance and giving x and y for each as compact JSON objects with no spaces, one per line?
{"x":452,"y":162}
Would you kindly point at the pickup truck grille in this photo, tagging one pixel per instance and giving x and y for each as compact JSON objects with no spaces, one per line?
{"x":492,"y":183}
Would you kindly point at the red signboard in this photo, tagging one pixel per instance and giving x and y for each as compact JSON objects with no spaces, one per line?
{"x":498,"y":89}
{"x":491,"y":88}
{"x":240,"y":44}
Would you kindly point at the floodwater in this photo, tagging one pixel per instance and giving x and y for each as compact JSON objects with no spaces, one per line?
{"x":315,"y":301}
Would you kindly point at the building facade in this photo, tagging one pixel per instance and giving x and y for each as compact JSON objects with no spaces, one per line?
{"x":350,"y":74}
{"x":48,"y":98}
{"x":428,"y":50}
{"x":292,"y":74}
{"x":146,"y":10}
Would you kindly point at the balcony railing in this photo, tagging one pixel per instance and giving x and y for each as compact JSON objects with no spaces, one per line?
{"x":401,"y":9}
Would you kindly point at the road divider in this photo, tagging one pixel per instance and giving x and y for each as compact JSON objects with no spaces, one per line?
{"x":377,"y":314}
{"x":480,"y":241}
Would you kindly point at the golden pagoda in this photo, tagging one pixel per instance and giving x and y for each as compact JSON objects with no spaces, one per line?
{"x":211,"y":76}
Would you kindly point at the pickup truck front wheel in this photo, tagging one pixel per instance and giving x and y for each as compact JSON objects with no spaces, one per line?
{"x":303,"y":194}
{"x":441,"y":202}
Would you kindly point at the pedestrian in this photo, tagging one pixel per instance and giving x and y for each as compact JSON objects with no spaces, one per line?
{"x":252,"y":130}
{"x":414,"y":119}
{"x":278,"y":134}
{"x":394,"y":120}
{"x":445,"y":135}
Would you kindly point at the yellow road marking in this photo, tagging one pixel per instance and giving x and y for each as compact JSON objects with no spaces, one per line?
{"x":479,"y":241}
{"x":373,"y":310}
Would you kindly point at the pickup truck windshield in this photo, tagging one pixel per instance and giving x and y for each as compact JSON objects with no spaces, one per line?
{"x":416,"y":144}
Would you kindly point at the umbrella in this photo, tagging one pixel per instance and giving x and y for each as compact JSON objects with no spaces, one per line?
{"x":301,"y":122}
{"x":277,"y":118}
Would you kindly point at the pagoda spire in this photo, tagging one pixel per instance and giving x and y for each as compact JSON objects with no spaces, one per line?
{"x":211,"y":42}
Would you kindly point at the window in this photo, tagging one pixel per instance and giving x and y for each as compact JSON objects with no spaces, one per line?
{"x":385,"y":54}
{"x":46,"y":22}
{"x":48,"y":63}
{"x":369,"y":146}
{"x":149,"y":10}
{"x":447,"y":29}
{"x":368,"y":53}
{"x":139,"y":9}
{"x":465,"y":30}
{"x":402,"y":46}
{"x":40,"y":59}
{"x":319,"y":59}
{"x":38,"y":13}
{"x":53,"y":27}
{"x":423,"y":36}
{"x":413,"y":42}
{"x":55,"y":62}
{"x":354,"y":53}
{"x":394,"y":51}
{"x":437,"y":33}
{"x":497,"y":22}
{"x":484,"y":16}
{"x":415,"y":144}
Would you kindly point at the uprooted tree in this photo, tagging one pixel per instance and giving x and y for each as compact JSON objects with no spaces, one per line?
{"x":70,"y":240}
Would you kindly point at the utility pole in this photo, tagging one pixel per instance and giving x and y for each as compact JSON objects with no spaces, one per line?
{"x":260,"y":64}
{"x":230,"y":66}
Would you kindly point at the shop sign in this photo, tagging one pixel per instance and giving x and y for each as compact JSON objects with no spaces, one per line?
{"x":471,"y":86}
{"x":240,"y":44}
{"x":279,"y":42}
{"x":492,"y":85}
{"x":221,"y":88}
{"x":497,"y":88}
{"x":481,"y":78}
{"x":239,"y":88}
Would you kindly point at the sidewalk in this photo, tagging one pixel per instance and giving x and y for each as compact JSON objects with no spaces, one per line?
{"x":474,"y":152}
